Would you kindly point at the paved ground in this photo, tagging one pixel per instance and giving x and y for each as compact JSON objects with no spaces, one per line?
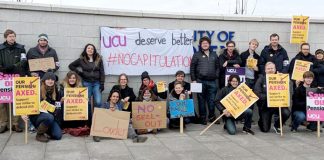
{"x":169,"y":145}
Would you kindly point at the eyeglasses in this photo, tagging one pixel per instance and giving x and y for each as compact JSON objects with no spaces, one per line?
{"x":123,"y":79}
{"x":230,"y":46}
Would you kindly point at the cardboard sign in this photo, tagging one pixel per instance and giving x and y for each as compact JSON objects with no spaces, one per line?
{"x":149,"y":115}
{"x":107,"y":123}
{"x":315,"y":104}
{"x":26,"y":95}
{"x":251,"y":62}
{"x":75,"y":104}
{"x":235,"y":71}
{"x":6,"y":84}
{"x":45,"y":106}
{"x":278,"y":90}
{"x":182,"y":108}
{"x":300,"y":68}
{"x":41,"y":64}
{"x":299,"y":29}
{"x":239,"y":100}
{"x":196,"y":87}
{"x":161,"y":86}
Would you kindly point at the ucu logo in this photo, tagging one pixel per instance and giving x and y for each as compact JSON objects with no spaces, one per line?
{"x":114,"y":41}
{"x":313,"y":116}
{"x":232,"y":70}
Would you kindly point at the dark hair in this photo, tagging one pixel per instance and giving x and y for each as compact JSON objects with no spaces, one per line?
{"x":123,"y":74}
{"x":304,"y":44}
{"x":180,"y":73}
{"x":205,"y":38}
{"x":95,"y":53}
{"x":111,"y":93}
{"x":7,"y":32}
{"x":274,"y":35}
{"x":153,"y":96}
{"x":231,"y":77}
{"x":229,"y":42}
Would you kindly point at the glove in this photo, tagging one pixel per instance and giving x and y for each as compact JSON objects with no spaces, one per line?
{"x":102,"y":87}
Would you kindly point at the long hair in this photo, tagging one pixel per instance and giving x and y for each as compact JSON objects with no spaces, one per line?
{"x":112,"y":92}
{"x":44,"y":89}
{"x":153,"y":96}
{"x":65,"y":83}
{"x":96,"y":56}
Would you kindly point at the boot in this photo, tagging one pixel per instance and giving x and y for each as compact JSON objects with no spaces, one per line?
{"x":41,"y":130}
{"x":139,"y":139}
{"x":3,"y":129}
{"x":96,"y":138}
{"x":16,"y":128}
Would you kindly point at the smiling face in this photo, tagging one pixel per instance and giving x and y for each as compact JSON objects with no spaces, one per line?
{"x":205,"y":45}
{"x":308,"y":80}
{"x":230,"y":47}
{"x":114,"y":97}
{"x":90,"y":50}
{"x":72,"y":80}
{"x":49,"y":82}
{"x":123,"y":80}
{"x":146,"y":81}
{"x":274,"y":41}
{"x":178,"y":88}
{"x":42,"y":42}
{"x":180,"y":77}
{"x":234,"y":82}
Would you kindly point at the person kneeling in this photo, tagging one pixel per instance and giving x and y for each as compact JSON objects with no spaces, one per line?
{"x":114,"y":103}
{"x":229,"y":125}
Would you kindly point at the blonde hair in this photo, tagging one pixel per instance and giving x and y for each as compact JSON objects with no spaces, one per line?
{"x":65,"y":83}
{"x":255,"y":41}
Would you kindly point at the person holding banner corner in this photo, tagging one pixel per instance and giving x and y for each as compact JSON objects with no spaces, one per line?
{"x":319,"y":68}
{"x":233,"y":82}
{"x":265,"y":113}
{"x":12,"y":61}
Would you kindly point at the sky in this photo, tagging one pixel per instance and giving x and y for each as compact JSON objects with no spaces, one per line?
{"x":278,"y":8}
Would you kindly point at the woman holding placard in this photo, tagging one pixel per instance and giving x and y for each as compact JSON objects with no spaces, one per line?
{"x":92,"y":74}
{"x":178,"y":93}
{"x":126,"y":93}
{"x":71,"y":80}
{"x":113,"y":103}
{"x":233,"y":82}
{"x":45,"y":122}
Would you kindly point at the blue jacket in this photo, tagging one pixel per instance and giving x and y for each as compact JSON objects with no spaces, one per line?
{"x":119,"y":105}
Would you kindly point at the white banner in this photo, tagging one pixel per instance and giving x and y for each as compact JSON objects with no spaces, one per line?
{"x":157,"y":51}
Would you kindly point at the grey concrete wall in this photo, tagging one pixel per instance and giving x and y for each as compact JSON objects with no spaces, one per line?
{"x":70,"y":28}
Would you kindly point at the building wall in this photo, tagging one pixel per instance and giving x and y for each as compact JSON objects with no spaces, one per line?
{"x":70,"y":29}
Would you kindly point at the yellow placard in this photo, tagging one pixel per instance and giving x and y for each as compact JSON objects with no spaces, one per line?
{"x":251,"y":62}
{"x":278,"y":90}
{"x":26,"y":95}
{"x":299,"y":29}
{"x":45,"y":106}
{"x":161,"y":86}
{"x":75,"y":104}
{"x":239,"y":100}
{"x":300,"y":68}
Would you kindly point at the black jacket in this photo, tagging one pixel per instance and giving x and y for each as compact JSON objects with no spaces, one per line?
{"x":260,"y":89}
{"x":245,"y":55}
{"x":126,"y":92}
{"x":318,"y":70}
{"x":223,"y":57}
{"x":90,"y":71}
{"x":10,"y":59}
{"x":35,"y":53}
{"x":279,"y":58}
{"x":301,"y":56}
{"x":220,"y":95}
{"x":299,"y":99}
{"x":204,"y":67}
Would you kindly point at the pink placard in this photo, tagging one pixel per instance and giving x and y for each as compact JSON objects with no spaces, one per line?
{"x":315,"y":104}
{"x":6,"y":81}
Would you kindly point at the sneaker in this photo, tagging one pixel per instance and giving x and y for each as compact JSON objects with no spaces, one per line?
{"x":96,"y":138}
{"x":248,"y":131}
{"x":293,"y":130}
{"x":277,"y":130}
{"x":16,"y":128}
{"x":212,"y":119}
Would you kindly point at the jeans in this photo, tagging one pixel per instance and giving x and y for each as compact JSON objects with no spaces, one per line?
{"x":250,"y":82}
{"x":47,"y":119}
{"x":93,"y":90}
{"x":266,"y":113}
{"x":230,"y":121}
{"x":299,"y":117}
{"x":208,"y":94}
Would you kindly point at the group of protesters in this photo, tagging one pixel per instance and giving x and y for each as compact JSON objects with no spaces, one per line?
{"x":207,"y":67}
